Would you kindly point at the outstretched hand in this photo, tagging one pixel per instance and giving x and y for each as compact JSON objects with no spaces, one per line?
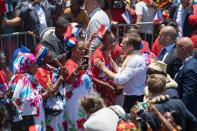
{"x":99,"y":64}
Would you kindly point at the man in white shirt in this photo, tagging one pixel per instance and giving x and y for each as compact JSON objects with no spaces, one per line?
{"x":132,"y":74}
{"x":97,"y":18}
{"x":145,"y":13}
{"x":167,"y":37}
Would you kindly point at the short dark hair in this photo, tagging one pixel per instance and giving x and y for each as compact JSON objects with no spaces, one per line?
{"x":134,"y":40}
{"x":79,"y":2}
{"x":61,"y":22}
{"x":67,"y":16}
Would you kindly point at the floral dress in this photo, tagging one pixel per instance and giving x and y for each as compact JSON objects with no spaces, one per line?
{"x":27,"y":99}
{"x":82,"y":86}
{"x":54,"y":106}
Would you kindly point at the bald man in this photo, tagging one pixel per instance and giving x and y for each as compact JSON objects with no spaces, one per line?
{"x":187,"y":75}
{"x":167,"y":38}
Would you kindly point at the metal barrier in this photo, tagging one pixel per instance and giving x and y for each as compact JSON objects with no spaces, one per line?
{"x":9,"y":42}
{"x":121,"y":29}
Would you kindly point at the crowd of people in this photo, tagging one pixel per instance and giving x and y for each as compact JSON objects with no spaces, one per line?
{"x":79,"y":76}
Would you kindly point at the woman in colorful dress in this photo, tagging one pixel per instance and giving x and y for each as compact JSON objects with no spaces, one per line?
{"x":27,"y":95}
{"x":50,"y":77}
{"x":104,"y":86}
{"x":78,"y":84}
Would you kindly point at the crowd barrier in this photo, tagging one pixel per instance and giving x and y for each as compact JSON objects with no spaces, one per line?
{"x":9,"y":42}
{"x":121,"y":29}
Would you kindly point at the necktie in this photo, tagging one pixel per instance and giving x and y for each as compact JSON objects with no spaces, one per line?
{"x":161,"y":55}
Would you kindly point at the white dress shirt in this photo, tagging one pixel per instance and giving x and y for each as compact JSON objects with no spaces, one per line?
{"x":133,"y":76}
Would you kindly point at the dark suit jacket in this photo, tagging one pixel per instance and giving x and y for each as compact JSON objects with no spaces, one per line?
{"x":30,"y":17}
{"x":173,"y":62}
{"x":187,"y":28}
{"x":187,"y":85}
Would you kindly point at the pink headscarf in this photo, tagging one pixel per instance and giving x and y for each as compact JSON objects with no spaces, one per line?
{"x":22,"y":61}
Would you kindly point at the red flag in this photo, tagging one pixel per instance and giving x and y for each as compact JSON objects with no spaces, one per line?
{"x":102,"y":31}
{"x":68,"y":33}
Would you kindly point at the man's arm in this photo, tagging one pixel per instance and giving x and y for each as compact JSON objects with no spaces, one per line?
{"x":120,"y":78}
{"x":139,"y":19}
{"x":139,"y":12}
{"x":13,"y":22}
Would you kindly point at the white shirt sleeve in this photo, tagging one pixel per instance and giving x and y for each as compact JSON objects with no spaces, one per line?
{"x":139,"y":9}
{"x":131,"y":69}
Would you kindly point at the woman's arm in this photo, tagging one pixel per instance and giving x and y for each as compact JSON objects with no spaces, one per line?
{"x":165,"y":122}
{"x":102,"y":84}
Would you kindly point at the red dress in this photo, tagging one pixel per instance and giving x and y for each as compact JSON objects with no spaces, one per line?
{"x":2,"y":7}
{"x":106,"y":94}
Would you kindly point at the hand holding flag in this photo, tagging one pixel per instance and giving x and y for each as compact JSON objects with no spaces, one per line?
{"x":158,"y":17}
{"x":127,"y":17}
{"x":102,"y":30}
{"x":72,"y":32}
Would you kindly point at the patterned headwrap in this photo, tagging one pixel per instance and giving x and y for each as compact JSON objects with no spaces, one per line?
{"x":22,"y":61}
{"x":40,"y":52}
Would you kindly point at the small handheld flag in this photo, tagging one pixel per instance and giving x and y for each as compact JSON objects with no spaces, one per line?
{"x":102,"y":30}
{"x":127,"y":17}
{"x":72,"y":32}
{"x":71,"y":42}
{"x":158,"y":17}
